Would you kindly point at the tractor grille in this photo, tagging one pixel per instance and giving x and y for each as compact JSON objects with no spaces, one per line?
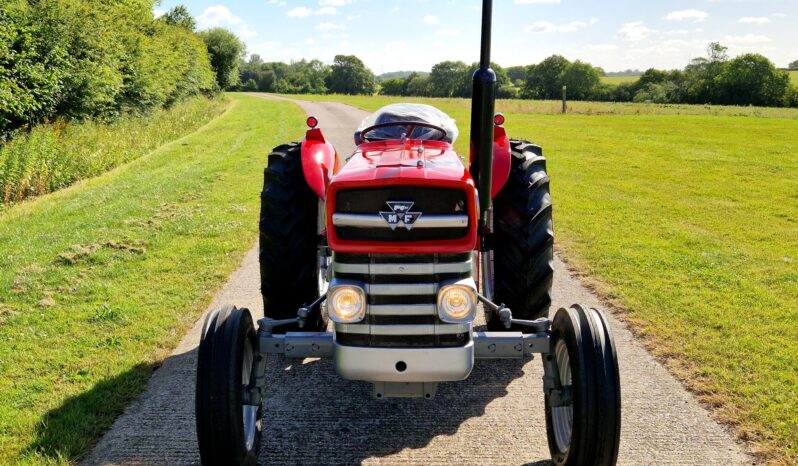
{"x":444,"y":214}
{"x":401,"y":291}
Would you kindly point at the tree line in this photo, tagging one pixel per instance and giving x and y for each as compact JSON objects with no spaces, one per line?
{"x":81,"y":59}
{"x":749,"y":79}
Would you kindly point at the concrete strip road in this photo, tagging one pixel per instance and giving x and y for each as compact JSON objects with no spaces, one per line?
{"x":495,"y":417}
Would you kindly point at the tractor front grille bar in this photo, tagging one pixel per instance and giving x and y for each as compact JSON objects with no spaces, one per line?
{"x":377,"y":221}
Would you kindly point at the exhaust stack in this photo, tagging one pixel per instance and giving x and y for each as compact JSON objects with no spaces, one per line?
{"x":483,"y":106}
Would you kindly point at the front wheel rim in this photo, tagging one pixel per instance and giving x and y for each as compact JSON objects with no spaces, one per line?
{"x":562,"y":417}
{"x":249,"y":413}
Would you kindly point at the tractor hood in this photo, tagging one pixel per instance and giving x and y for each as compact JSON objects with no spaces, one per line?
{"x":411,"y":160}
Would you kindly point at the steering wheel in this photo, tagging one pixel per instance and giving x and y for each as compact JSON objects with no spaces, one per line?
{"x":411,"y":126}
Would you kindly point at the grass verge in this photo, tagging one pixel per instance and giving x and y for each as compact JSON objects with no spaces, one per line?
{"x":54,"y":156}
{"x":687,"y":222}
{"x":99,"y":281}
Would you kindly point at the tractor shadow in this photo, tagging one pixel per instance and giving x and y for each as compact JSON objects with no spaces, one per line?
{"x":315,"y":417}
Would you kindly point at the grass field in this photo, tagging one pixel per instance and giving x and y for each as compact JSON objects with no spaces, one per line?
{"x":794,"y":77}
{"x":99,"y":281}
{"x":619,"y":79}
{"x":687,"y":222}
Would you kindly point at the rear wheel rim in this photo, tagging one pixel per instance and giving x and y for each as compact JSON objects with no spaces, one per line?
{"x":249,"y":413}
{"x":563,"y":416}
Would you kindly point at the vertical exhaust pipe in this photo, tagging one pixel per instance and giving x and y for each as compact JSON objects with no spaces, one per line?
{"x":483,"y":106}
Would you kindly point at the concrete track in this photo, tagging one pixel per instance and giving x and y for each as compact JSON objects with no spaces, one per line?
{"x":494,"y":417}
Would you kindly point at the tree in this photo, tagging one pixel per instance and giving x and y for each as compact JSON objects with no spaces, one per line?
{"x":226,"y":51}
{"x":448,"y":79}
{"x":752,"y":79}
{"x":544,"y":80}
{"x":350,"y":76}
{"x":392,"y":86}
{"x":793,"y":65}
{"x":581,"y":79}
{"x":517,"y":75}
{"x":180,"y":16}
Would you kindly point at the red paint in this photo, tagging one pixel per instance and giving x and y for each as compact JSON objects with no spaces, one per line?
{"x":319,"y":162}
{"x":501,"y":160}
{"x":397,"y":163}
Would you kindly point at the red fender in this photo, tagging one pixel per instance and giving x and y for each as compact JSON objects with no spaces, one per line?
{"x":319,"y":162}
{"x":501,"y":160}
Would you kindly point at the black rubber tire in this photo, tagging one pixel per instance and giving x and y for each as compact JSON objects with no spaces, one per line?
{"x":288,"y":240}
{"x":524,"y":238}
{"x":596,"y":391}
{"x":219,"y":389}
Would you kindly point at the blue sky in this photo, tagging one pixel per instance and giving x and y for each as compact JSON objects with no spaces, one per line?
{"x":391,"y":35}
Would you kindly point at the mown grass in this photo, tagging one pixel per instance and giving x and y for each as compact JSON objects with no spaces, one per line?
{"x":100,"y":280}
{"x":690,"y":224}
{"x":619,"y":79}
{"x":794,"y":77}
{"x":53,"y":156}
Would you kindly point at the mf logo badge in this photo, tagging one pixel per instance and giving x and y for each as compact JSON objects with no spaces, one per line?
{"x":400,"y":214}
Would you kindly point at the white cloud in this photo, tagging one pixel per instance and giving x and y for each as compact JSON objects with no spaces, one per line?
{"x":334,"y":2}
{"x":695,"y":16}
{"x":327,"y":10}
{"x":677,"y":32}
{"x":216,"y":16}
{"x":541,"y":27}
{"x":634,"y":31}
{"x":430,"y":19}
{"x":300,"y":12}
{"x":755,"y":20}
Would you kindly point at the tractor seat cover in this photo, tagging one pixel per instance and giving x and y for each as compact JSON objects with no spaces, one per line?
{"x":419,"y":113}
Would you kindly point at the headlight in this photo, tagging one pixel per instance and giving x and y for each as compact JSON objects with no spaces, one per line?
{"x":346,"y":304}
{"x":457,"y":303}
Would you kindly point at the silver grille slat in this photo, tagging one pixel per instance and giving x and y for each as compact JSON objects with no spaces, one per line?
{"x":376,"y":221}
{"x":402,"y":289}
{"x":416,"y":329}
{"x":404,"y":269}
{"x":402,"y":309}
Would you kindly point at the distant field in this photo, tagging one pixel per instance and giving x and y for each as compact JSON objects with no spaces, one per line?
{"x":794,"y":76}
{"x":619,"y":79}
{"x":686,"y":218}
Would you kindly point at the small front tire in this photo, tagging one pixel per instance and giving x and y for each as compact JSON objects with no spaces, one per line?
{"x":583,"y":423}
{"x":228,"y":430}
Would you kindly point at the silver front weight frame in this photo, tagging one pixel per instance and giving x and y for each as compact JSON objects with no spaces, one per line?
{"x":487,"y":345}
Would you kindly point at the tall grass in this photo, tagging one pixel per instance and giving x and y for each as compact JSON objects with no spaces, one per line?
{"x":53,"y":156}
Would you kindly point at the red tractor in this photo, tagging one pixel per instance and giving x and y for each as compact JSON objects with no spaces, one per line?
{"x":398,"y":247}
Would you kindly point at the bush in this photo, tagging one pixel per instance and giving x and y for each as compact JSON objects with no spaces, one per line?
{"x":53,"y":156}
{"x":88,"y":59}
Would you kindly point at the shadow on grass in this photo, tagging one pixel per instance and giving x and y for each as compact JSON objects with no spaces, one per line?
{"x":70,"y":430}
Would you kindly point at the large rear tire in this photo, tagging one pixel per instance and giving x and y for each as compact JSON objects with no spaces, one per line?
{"x":585,"y":428}
{"x":524,"y":238}
{"x":289,"y":264}
{"x":228,"y":431}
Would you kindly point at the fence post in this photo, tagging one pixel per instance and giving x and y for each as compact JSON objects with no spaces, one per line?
{"x":564,"y":99}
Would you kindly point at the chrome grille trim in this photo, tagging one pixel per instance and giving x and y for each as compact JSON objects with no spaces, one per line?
{"x":402,"y":289}
{"x":405,"y":269}
{"x":376,"y":221}
{"x":437,"y":329}
{"x":402,"y":309}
